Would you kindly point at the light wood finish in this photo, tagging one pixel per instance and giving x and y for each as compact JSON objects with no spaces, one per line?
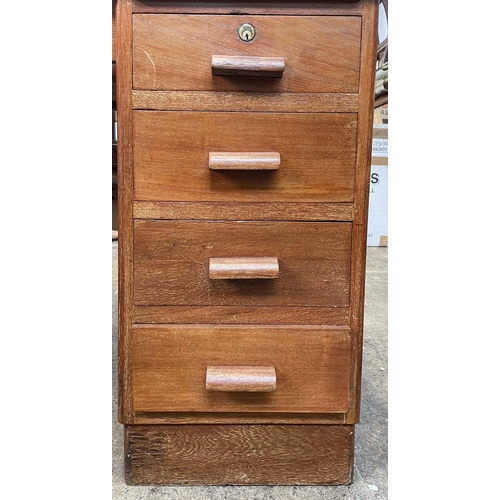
{"x":365,"y":133}
{"x":248,"y":66}
{"x":362,"y":186}
{"x":125,"y":196}
{"x":238,"y":418}
{"x":241,"y":211}
{"x":171,"y":153}
{"x":266,"y":454}
{"x":310,"y":380}
{"x":173,"y":52}
{"x":241,"y":378}
{"x":176,"y":214}
{"x":170,"y":263}
{"x":269,"y":7}
{"x":244,"y":161}
{"x":237,"y":268}
{"x":233,"y":101}
{"x":238,"y":314}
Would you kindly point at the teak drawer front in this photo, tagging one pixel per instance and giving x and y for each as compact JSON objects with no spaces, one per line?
{"x":172,"y":150}
{"x":169,"y":367}
{"x":172,"y":258}
{"x":174,"y":52}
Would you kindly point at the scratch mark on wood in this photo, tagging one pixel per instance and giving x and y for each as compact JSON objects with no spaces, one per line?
{"x":154,"y":66}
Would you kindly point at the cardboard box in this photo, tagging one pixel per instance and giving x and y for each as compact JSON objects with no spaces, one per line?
{"x":381,"y":115}
{"x":378,"y":200}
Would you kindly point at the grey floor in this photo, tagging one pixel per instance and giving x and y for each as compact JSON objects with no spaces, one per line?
{"x":370,"y":463}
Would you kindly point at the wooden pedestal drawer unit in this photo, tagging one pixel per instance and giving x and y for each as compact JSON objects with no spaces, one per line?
{"x":244,"y":140}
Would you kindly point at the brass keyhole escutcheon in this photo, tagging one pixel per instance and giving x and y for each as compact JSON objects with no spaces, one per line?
{"x":246,"y":32}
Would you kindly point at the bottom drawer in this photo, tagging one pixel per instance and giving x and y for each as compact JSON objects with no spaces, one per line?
{"x":169,"y":368}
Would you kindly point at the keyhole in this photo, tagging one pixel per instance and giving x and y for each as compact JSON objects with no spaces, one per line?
{"x":246,"y":32}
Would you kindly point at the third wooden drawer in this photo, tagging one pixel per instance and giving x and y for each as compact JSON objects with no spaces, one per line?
{"x":172,"y":261}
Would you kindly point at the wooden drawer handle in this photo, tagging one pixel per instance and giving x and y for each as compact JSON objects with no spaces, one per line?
{"x":248,"y":66}
{"x":241,"y":378}
{"x":235,"y":268}
{"x":244,"y":161}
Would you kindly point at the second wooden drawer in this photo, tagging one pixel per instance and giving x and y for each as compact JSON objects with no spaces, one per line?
{"x":172,"y":262}
{"x":172,"y":156}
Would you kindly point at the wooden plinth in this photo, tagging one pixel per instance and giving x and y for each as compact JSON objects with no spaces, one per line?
{"x":238,"y":454}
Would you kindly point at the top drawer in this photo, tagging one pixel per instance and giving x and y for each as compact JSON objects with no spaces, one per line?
{"x":174,"y":52}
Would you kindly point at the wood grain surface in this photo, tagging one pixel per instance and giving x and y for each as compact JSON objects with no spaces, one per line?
{"x":311,"y":214}
{"x":248,"y":66}
{"x":171,"y":152}
{"x":240,"y":101}
{"x":270,"y":7}
{"x":239,"y":378}
{"x":182,"y":418}
{"x":244,"y":161}
{"x":174,"y":52}
{"x":241,"y":211}
{"x":238,"y":314}
{"x":362,"y":186}
{"x":169,"y":367}
{"x":125,"y":194}
{"x":232,"y":268}
{"x":171,"y":261}
{"x":239,"y":454}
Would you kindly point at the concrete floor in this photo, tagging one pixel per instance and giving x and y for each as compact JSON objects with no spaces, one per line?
{"x":370,"y":462}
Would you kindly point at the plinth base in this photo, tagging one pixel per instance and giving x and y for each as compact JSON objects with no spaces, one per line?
{"x":238,"y":454}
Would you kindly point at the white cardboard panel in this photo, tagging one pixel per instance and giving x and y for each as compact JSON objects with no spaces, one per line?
{"x":378,"y":206}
